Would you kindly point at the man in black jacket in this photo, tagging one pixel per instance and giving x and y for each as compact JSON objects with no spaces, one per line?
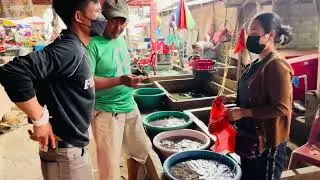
{"x":55,"y":89}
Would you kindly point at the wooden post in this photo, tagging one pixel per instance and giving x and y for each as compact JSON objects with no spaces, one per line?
{"x":274,"y":2}
{"x":240,"y":54}
{"x":153,"y":24}
{"x":214,"y":25}
{"x":318,"y":86}
{"x":179,"y":53}
{"x":259,"y":6}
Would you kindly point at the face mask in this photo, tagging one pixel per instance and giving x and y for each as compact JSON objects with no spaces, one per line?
{"x":97,"y":26}
{"x":253,"y":44}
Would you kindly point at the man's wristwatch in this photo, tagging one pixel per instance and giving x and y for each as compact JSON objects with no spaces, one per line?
{"x":44,"y":118}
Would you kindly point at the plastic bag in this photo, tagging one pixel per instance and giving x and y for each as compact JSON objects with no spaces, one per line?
{"x":220,"y":127}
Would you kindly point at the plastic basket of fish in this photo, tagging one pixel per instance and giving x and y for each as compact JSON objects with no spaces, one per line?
{"x":171,"y":142}
{"x":201,"y":165}
{"x":161,"y":121}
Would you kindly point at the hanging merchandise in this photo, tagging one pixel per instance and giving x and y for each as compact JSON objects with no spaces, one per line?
{"x":241,"y":42}
{"x":184,"y":19}
{"x":228,"y":48}
{"x":172,"y":40}
{"x":223,"y":35}
{"x":158,"y":30}
{"x":158,"y":33}
{"x":158,"y":21}
{"x":172,"y":22}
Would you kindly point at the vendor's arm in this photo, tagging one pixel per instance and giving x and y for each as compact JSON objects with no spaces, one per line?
{"x":231,"y":98}
{"x":279,"y":89}
{"x":106,"y":83}
{"x":102,"y":83}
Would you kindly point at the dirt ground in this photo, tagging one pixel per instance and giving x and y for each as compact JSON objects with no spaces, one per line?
{"x":19,"y":156}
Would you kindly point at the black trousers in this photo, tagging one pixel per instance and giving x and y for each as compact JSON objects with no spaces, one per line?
{"x":268,"y":166}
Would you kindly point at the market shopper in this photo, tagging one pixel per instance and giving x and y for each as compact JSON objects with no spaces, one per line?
{"x":117,"y":121}
{"x":264,"y":99}
{"x":54,"y":87}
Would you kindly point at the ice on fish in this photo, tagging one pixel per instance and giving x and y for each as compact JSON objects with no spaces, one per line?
{"x":168,"y":122}
{"x":181,"y":143}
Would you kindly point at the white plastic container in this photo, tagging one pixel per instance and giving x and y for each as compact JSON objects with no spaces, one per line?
{"x":164,"y":152}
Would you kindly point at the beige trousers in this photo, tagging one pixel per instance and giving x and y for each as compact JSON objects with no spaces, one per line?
{"x":115,"y":132}
{"x":66,"y":164}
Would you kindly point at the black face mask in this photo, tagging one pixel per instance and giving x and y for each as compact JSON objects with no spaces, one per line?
{"x":253,"y":44}
{"x":97,"y":26}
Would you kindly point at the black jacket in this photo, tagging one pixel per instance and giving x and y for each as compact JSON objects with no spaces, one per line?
{"x":60,"y":77}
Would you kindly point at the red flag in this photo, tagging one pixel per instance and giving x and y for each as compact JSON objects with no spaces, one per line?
{"x":183,"y":17}
{"x":241,"y":43}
